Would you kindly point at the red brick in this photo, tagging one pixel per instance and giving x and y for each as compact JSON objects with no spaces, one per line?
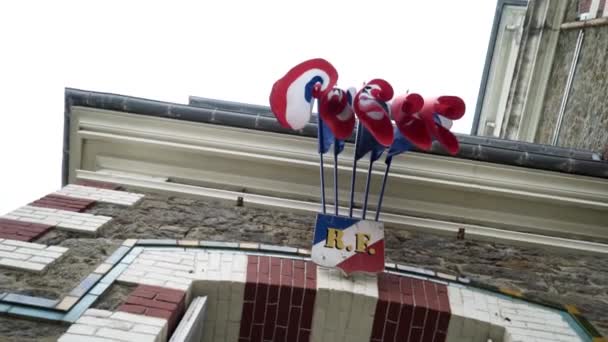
{"x":443,"y":321}
{"x":256,"y":333}
{"x":14,"y":237}
{"x":273,"y":294}
{"x":415,"y":334}
{"x":299,"y":274}
{"x":151,"y":303}
{"x":311,"y":270}
{"x":304,"y":335}
{"x":393,"y":311}
{"x":405,"y":322}
{"x":308,"y":309}
{"x":264,"y":267}
{"x":280,"y":334}
{"x":143,"y":293}
{"x":419,"y":316}
{"x":275,"y":274}
{"x":170,"y":297}
{"x":253,"y":260}
{"x":297,"y":295}
{"x":260,"y":303}
{"x":270,"y":321}
{"x":380,"y":314}
{"x":134,"y":309}
{"x":284,"y":303}
{"x":63,"y":203}
{"x":22,"y":231}
{"x":166,"y":314}
{"x":287,"y":269}
{"x":98,"y":184}
{"x":246,"y":320}
{"x":250,"y":288}
{"x":430,"y":326}
{"x":440,"y":337}
{"x":389,"y":331}
{"x":294,"y":324}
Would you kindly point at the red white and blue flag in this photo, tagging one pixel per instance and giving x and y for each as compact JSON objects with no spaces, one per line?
{"x":350,"y":244}
{"x":292,"y":96}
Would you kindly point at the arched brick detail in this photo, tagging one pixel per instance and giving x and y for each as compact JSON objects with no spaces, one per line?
{"x":269,"y":298}
{"x":54,"y":201}
{"x":22,"y":231}
{"x":410,"y":309}
{"x":158,"y":302}
{"x":279,"y":299}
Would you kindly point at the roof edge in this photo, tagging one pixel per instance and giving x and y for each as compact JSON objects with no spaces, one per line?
{"x":484,"y":149}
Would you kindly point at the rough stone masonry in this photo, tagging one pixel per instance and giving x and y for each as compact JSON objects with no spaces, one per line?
{"x":556,"y":276}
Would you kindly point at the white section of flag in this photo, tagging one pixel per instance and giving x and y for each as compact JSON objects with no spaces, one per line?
{"x":331,"y":257}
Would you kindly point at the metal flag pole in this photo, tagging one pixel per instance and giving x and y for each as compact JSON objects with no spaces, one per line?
{"x":336,"y":148}
{"x":389,"y":160}
{"x":352,"y":181}
{"x":367,"y":182}
{"x":321,"y":171}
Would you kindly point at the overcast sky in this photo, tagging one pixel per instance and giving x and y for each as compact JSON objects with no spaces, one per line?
{"x":231,"y":50}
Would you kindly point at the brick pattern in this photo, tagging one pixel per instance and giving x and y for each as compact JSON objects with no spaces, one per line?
{"x":28,"y":256}
{"x":22,"y":231}
{"x":279,"y":299}
{"x":410,"y":309}
{"x":101,"y":195}
{"x":98,"y":184}
{"x":106,"y":326}
{"x":169,"y":269}
{"x":480,"y":315}
{"x":344,"y":307}
{"x":63,"y":202}
{"x":262,"y":298}
{"x":224,"y":276}
{"x":156,"y":301}
{"x":220,"y":276}
{"x":68,"y":220}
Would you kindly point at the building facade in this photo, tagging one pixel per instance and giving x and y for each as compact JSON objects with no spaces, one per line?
{"x":551,"y":88}
{"x":194,"y":222}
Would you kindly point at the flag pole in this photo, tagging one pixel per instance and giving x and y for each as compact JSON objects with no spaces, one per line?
{"x":336,"y":147}
{"x":389,"y":160}
{"x":367,"y":182}
{"x":352,"y":180}
{"x":321,"y":171}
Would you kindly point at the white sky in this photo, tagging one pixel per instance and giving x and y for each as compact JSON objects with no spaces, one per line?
{"x":231,"y":50}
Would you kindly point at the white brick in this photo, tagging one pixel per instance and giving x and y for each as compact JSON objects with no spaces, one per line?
{"x":97,"y":313}
{"x":14,"y":255}
{"x":80,"y":338}
{"x":69,"y":220}
{"x":105,"y":322}
{"x":41,"y":260}
{"x":82,"y":329}
{"x":124,"y":336}
{"x":124,"y":316}
{"x":101,"y":195}
{"x":22,"y":265}
{"x":38,"y":252}
{"x":24,"y":244}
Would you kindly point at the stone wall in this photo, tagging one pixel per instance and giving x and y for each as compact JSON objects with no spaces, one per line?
{"x":585,"y":123}
{"x":567,"y":278}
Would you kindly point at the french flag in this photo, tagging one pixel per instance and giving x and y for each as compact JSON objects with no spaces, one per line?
{"x":349,"y":244}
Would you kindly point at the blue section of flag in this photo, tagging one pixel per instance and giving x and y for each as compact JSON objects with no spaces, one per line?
{"x":330,"y":221}
{"x":326,"y":139}
{"x":367,"y":143}
{"x":400,"y":145}
{"x":310,"y":86}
